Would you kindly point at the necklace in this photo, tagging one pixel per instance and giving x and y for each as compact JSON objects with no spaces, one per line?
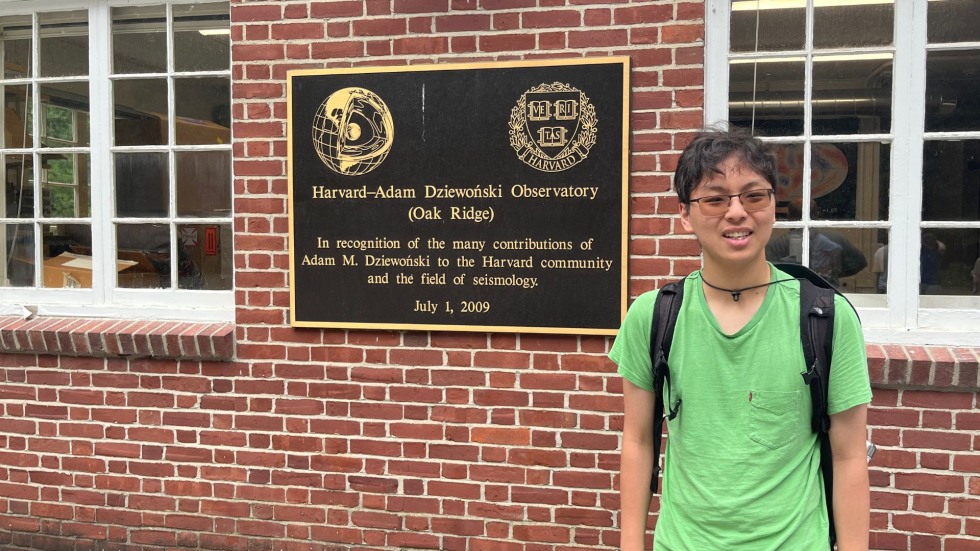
{"x":737,"y":293}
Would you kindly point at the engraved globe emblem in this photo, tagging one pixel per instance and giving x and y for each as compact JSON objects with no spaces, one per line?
{"x":353,"y":131}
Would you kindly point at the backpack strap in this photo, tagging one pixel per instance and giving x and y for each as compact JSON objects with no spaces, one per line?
{"x":665,"y":310}
{"x":817,"y":337}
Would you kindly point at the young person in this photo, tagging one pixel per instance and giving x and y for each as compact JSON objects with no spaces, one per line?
{"x":742,"y":462}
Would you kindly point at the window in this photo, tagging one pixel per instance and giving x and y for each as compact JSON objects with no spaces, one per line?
{"x":871,"y":106}
{"x":117,"y":187}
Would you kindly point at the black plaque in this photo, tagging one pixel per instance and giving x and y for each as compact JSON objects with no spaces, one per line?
{"x":478,"y":197}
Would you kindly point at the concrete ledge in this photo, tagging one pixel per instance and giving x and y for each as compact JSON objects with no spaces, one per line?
{"x":108,"y":338}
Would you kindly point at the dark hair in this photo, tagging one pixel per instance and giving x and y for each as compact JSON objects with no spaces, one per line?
{"x":713,"y":145}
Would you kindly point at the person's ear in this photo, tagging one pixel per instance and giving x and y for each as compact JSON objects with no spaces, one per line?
{"x":684,"y":209}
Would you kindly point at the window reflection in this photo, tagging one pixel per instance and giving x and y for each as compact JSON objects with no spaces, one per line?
{"x":202,"y":37}
{"x":852,"y":94}
{"x":63,"y":43}
{"x":141,"y":111}
{"x":18,"y":255}
{"x":843,"y":256}
{"x":783,"y":29}
{"x":139,"y":39}
{"x":202,"y":183}
{"x":949,"y":261}
{"x":202,"y":106}
{"x":847,"y":26}
{"x":142,"y":184}
{"x":952,"y":102}
{"x":953,"y":21}
{"x":951,"y":180}
{"x":767,"y":95}
{"x":16,"y":41}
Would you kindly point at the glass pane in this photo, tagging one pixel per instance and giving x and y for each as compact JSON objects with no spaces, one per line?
{"x":789,"y":179}
{"x":843,"y":26}
{"x":849,"y":181}
{"x":205,"y":260}
{"x":18,"y":130}
{"x":65,"y":108}
{"x":202,"y":37}
{"x":843,"y":256}
{"x":951,"y":180}
{"x":203,"y":183}
{"x":852,"y":94}
{"x":16,"y":32}
{"x":767,"y":96}
{"x":64,"y":43}
{"x":139,"y":39}
{"x":879,"y":263}
{"x":143,"y":255}
{"x":142,"y":184}
{"x":949,"y":261}
{"x":202,"y":105}
{"x":953,"y":21}
{"x":19,"y":186}
{"x":62,"y":267}
{"x":952,"y":80}
{"x":66,"y":190}
{"x":18,"y":249}
{"x":767,"y":29}
{"x":141,"y":111}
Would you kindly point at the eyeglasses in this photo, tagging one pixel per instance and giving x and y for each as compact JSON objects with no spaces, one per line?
{"x":717,"y":205}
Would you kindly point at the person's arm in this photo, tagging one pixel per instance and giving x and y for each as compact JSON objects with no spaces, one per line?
{"x":852,"y":499}
{"x":635,"y":466}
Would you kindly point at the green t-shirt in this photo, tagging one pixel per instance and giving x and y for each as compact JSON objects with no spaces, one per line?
{"x":742,"y":465}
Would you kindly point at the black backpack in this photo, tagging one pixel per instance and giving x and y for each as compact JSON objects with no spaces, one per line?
{"x":816,"y":334}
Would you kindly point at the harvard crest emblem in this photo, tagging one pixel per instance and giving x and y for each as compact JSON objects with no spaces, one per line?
{"x":552,"y":127}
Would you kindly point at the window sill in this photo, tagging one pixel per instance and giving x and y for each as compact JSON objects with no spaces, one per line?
{"x":953,"y":369}
{"x":114,"y":338}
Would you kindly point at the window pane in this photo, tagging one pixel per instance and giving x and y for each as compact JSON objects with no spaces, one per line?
{"x":953,"y":21}
{"x":850,"y":181}
{"x":951,"y":180}
{"x":837,"y":26}
{"x":16,"y":32}
{"x":201,"y":104}
{"x":202,"y":38}
{"x":767,"y":96}
{"x":18,"y":268}
{"x":852,"y":94}
{"x":766,"y":29}
{"x":65,"y":108}
{"x":18,"y":130}
{"x":142,"y":184}
{"x":67,"y":193}
{"x":205,"y":256}
{"x":203,"y":183}
{"x":64,"y":268}
{"x":145,"y":250}
{"x":139,"y":39}
{"x":949,"y":261}
{"x":19,"y":186}
{"x":64,"y":43}
{"x":952,"y":81}
{"x":843,"y":256}
{"x":141,"y":111}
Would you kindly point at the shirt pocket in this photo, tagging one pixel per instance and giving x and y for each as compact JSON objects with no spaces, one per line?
{"x":773,"y":417}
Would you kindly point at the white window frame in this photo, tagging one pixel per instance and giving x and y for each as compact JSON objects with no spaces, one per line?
{"x":901,"y":316}
{"x":104,"y":299}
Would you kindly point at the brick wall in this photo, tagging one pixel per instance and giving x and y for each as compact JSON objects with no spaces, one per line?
{"x":315,"y":439}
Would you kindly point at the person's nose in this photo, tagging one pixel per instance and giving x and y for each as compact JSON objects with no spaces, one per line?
{"x":736,"y":211}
